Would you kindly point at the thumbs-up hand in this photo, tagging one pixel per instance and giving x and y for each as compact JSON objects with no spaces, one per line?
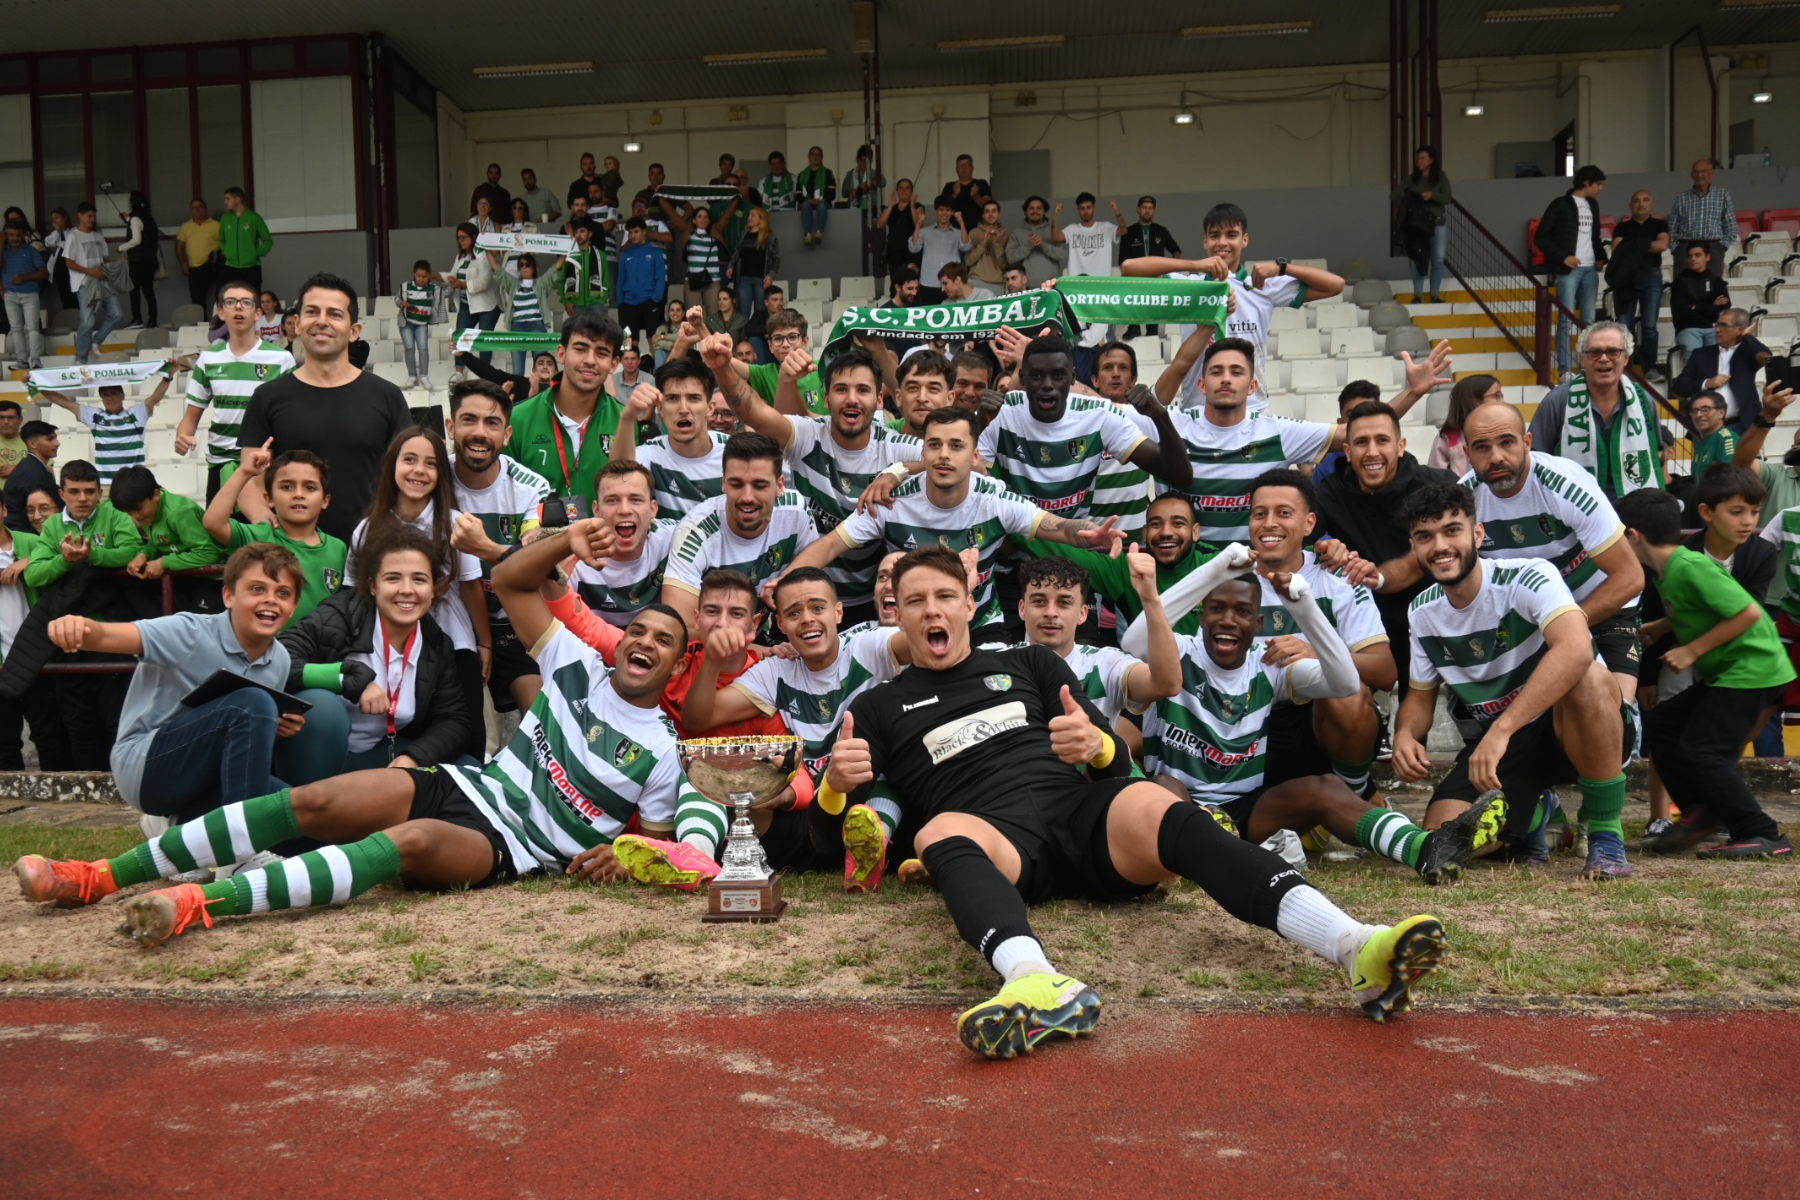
{"x":851,"y":766}
{"x":1072,"y":735}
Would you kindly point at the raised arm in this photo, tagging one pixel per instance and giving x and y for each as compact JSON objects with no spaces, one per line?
{"x":1750,"y":442}
{"x":1167,"y":456}
{"x":1168,"y":384}
{"x":1185,"y":594}
{"x":1332,"y":675}
{"x":706,"y":705}
{"x":99,"y":637}
{"x":751,"y":409}
{"x":63,"y":400}
{"x":1161,"y":676}
{"x":518,"y":577}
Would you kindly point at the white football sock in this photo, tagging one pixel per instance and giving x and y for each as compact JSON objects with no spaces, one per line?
{"x":1308,"y":919}
{"x":1020,"y":956}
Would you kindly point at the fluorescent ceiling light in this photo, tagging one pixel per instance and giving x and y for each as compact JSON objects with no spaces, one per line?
{"x":632,"y":146}
{"x":1761,"y":98}
{"x":565,"y":68}
{"x":1474,"y":110}
{"x":1744,"y":4}
{"x":752,"y":57}
{"x":1571,"y":12}
{"x":1254,"y":29}
{"x":1040,"y":41}
{"x":1184,"y":117}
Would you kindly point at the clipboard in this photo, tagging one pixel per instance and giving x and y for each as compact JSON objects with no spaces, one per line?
{"x":223,"y":683}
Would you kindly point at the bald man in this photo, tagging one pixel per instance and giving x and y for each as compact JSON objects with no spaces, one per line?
{"x":1704,"y":213}
{"x":1536,"y":505}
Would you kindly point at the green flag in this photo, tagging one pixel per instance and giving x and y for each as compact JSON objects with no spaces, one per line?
{"x":472,"y":339}
{"x":1027,"y":312}
{"x":1114,"y":301}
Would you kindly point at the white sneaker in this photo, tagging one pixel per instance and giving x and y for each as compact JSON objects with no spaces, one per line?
{"x":262,"y":858}
{"x":1286,"y":843}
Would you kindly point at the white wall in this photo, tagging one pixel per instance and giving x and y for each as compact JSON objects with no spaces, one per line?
{"x":303,"y":142}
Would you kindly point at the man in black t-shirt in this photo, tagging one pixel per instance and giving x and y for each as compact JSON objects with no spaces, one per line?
{"x":1634,"y":273}
{"x":1026,"y":797}
{"x":966,"y":194}
{"x":329,"y":406}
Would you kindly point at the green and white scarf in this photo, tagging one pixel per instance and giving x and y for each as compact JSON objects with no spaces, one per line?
{"x":472,"y":339}
{"x":521,"y":242}
{"x":1113,"y":301}
{"x":1027,"y":312}
{"x":1634,"y":458}
{"x":94,"y":375}
{"x":697,"y":194}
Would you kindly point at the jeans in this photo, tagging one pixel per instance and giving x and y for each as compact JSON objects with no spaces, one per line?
{"x":94,"y":326}
{"x":213,"y":755}
{"x":812,"y":216}
{"x":486,"y":321}
{"x":22,"y":309}
{"x":749,"y":294}
{"x":1637,"y":311}
{"x":662,"y":356}
{"x":1576,"y":292}
{"x":1440,"y":239}
{"x":519,"y":356}
{"x":1695,"y":739}
{"x":416,"y":341}
{"x":1692,"y":339}
{"x":322,"y":749}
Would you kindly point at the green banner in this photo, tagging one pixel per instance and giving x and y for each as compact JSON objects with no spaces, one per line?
{"x":1116,"y":301}
{"x":961,"y":320}
{"x":471,"y":340}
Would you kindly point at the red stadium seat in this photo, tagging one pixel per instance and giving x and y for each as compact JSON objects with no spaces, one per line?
{"x":1781,"y":219}
{"x":1746,"y":219}
{"x":1606,"y":228}
{"x":1536,"y":256}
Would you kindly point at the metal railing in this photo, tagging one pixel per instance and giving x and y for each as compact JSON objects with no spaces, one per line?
{"x":168,"y":609}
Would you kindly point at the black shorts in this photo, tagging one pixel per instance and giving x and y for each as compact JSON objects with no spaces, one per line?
{"x":437,"y":797}
{"x":1534,"y":761}
{"x":1616,"y":642}
{"x":511,"y":662}
{"x":1062,"y":845}
{"x":1239,"y":810}
{"x":1293,"y":751}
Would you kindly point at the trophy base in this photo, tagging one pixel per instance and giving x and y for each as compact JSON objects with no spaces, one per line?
{"x":754,"y":903}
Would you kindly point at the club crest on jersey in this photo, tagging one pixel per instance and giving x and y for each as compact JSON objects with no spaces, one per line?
{"x":1545,"y":526}
{"x":1077,"y":447}
{"x":774,"y":555}
{"x":509,"y":527}
{"x":1518,"y":533}
{"x":1476,"y":648}
{"x":262,"y":370}
{"x":624,"y":754}
{"x":1501,"y":641}
{"x":1278,"y":620}
{"x":977,"y":537}
{"x":1231,"y":707}
{"x":333,"y":579}
{"x":998,"y":683}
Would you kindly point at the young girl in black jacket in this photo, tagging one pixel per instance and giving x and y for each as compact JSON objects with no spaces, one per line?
{"x":379,"y":672}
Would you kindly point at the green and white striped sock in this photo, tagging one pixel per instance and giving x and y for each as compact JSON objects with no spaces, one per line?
{"x":1355,"y":775}
{"x":886,"y":806}
{"x":329,"y":875}
{"x":702,"y":824}
{"x":224,"y":835}
{"x":1391,"y":835}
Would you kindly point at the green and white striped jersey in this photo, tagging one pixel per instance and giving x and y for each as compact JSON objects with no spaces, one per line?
{"x":118,"y":438}
{"x":1227,"y":457}
{"x":1122,"y":490}
{"x":1211,"y":734}
{"x":1105,"y":675}
{"x":224,"y":382}
{"x":832,"y":479}
{"x":508,"y":510}
{"x":705,"y":541}
{"x":1351,"y":610}
{"x":1054,"y":464}
{"x":813,"y":702}
{"x":582,"y":763}
{"x":1783,"y":533}
{"x":616,"y":589}
{"x":703,"y":254}
{"x":1487,"y":651}
{"x":682,"y":483}
{"x":1559,"y":513}
{"x":987,"y":514}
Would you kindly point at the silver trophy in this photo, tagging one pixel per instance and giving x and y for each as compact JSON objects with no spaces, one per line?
{"x":740,"y":772}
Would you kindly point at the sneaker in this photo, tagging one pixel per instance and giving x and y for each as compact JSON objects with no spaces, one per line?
{"x":865,"y":849}
{"x":153,"y":828}
{"x":155,"y":917}
{"x":1606,"y":857}
{"x":1385,"y":751}
{"x":664,"y":864}
{"x":256,"y":862}
{"x":1695,"y":826}
{"x":1027,"y":1012}
{"x":1450,"y":846}
{"x":1777,"y":848}
{"x":1436,"y":299}
{"x":66,"y":882}
{"x":912,"y":873}
{"x":17,"y":366}
{"x":1655,"y":829}
{"x":1392,"y":960}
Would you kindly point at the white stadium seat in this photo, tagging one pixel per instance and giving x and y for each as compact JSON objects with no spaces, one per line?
{"x":1287,"y":318}
{"x":857,"y":287}
{"x":813,"y":289}
{"x":1337,"y":316}
{"x":1298,"y":343}
{"x":1358,"y":339}
{"x":1314,"y":375}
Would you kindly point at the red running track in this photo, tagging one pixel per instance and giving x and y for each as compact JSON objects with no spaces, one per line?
{"x":127,"y":1098}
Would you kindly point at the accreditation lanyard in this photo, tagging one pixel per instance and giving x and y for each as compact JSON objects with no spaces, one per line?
{"x":556,"y":432}
{"x":394,"y":683}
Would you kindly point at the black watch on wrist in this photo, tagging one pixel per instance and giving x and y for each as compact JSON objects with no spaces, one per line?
{"x":1762,"y":424}
{"x":1283,"y":264}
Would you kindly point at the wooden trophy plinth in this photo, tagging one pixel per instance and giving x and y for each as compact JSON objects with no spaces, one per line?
{"x":753,"y":902}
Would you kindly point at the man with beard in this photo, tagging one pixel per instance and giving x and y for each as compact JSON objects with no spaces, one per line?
{"x":1122,"y":489}
{"x":719,"y":417}
{"x":1171,"y":534}
{"x":687,"y":461}
{"x":832,"y":459}
{"x":1538,"y":709}
{"x":564,"y":433}
{"x":498,"y":501}
{"x":924,"y":384}
{"x":630,"y":575}
{"x":756,"y":526}
{"x":1045,"y":807}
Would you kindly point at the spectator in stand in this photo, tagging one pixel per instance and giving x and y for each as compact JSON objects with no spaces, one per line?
{"x":611,"y":181}
{"x":1034,"y":245}
{"x":521,"y":223}
{"x":953,"y":284}
{"x":1448,"y":452}
{"x":657,"y":177}
{"x":225,"y":374}
{"x":330,"y":407}
{"x":544,"y":368}
{"x":31,"y":473}
{"x":1712,"y":442}
{"x":118,"y":429}
{"x":499,"y":200}
{"x":1728,"y":367}
{"x":1090,"y":244}
{"x":541,"y":204}
{"x":1704,"y":214}
{"x":269,"y":317}
{"x":643,"y":282}
{"x":12,"y":446}
{"x":197,"y":252}
{"x":1634,"y":272}
{"x":778,"y":187}
{"x":862,"y":184}
{"x":754,"y":261}
{"x":22,"y":270}
{"x":966,"y":193}
{"x":720,"y":418}
{"x":731,"y":216}
{"x":669,"y":332}
{"x":1615,"y":432}
{"x":727,"y":171}
{"x":625,"y":380}
{"x":581,"y":283}
{"x":1147,"y":239}
{"x":421,"y":304}
{"x":525,"y":303}
{"x":987,"y":249}
{"x":727,"y":319}
{"x":701,"y":254}
{"x":244,"y":240}
{"x":1697,"y":295}
{"x":818,"y":189}
{"x":578,"y":187}
{"x":101,"y":311}
{"x":471,"y":279}
{"x":1568,"y":236}
{"x":1426,"y":235}
{"x":745,"y":352}
{"x":56,"y":245}
{"x":756,"y":325}
{"x":143,"y":254}
{"x":945,"y":242}
{"x":1015,"y":280}
{"x":482,"y":216}
{"x":899,"y":223}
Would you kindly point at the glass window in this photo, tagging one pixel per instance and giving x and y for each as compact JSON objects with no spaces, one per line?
{"x":303,"y":143}
{"x":112,"y":128}
{"x":63,"y":151}
{"x":13,"y":72}
{"x":110,"y":68}
{"x":219,"y":60}
{"x":171,"y":156}
{"x":221,"y":113}
{"x":415,"y":174}
{"x":328,"y":56}
{"x":272,"y":56}
{"x":61,"y":69}
{"x":164,"y":64}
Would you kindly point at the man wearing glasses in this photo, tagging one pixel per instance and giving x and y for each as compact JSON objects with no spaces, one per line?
{"x":1727,"y":367}
{"x":1603,"y":419}
{"x":786,"y":333}
{"x":225,"y":373}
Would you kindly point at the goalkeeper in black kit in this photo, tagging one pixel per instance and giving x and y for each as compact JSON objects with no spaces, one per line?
{"x":1024,"y":796}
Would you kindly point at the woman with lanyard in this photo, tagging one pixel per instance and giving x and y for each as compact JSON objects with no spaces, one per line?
{"x":471,"y":280}
{"x":379,"y":672}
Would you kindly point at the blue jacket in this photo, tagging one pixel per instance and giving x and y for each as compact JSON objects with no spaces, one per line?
{"x":643,"y":275}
